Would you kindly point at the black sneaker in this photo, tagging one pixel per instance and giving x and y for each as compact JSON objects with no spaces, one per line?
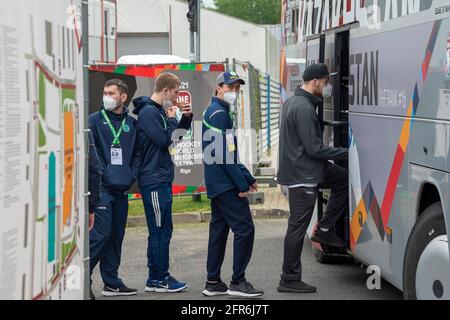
{"x":244,"y":289}
{"x":328,"y":238}
{"x":295,"y":286}
{"x":117,"y":292}
{"x":215,"y":289}
{"x":91,"y":295}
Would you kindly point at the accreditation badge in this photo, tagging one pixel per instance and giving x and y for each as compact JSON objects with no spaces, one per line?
{"x":116,"y":157}
{"x":230,"y":142}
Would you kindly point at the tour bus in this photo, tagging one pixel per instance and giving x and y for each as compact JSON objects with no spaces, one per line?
{"x":391,"y":108}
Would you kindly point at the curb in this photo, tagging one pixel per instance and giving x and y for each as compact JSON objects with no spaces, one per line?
{"x":204,"y":217}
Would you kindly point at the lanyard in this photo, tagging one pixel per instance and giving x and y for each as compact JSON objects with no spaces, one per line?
{"x":164,"y":121}
{"x":115,"y":134}
{"x":209,"y":126}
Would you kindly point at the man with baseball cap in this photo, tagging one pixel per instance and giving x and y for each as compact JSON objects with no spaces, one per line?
{"x":304,"y":168}
{"x":228,"y":183}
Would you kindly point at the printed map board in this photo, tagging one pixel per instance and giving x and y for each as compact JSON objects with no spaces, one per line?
{"x":42,"y":148}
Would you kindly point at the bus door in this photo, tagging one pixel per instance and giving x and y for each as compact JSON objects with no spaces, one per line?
{"x":335,"y":53}
{"x":340,"y":98}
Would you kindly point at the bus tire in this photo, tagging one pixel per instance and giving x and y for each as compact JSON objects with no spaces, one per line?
{"x":430,"y":225}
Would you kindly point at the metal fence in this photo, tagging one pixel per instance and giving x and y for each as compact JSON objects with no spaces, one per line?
{"x":265,"y":108}
{"x":270,"y":113}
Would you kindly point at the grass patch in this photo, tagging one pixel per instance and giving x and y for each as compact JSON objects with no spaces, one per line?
{"x":180,"y":205}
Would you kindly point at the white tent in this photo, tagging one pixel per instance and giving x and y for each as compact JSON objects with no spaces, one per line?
{"x":222,"y":36}
{"x":142,"y":16}
{"x":150,"y":59}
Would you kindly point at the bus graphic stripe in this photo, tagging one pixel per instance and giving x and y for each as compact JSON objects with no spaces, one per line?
{"x":425,"y":66}
{"x":358,"y":221}
{"x":400,"y":155}
{"x":415,"y":99}
{"x":392,"y":185}
{"x":430,"y":49}
{"x":434,"y":35}
{"x":402,"y":147}
{"x":406,"y":131}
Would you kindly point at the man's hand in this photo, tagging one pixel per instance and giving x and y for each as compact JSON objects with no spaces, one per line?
{"x":254,"y":188}
{"x":171,"y":112}
{"x":91,"y":221}
{"x":186,"y":110}
{"x":243,"y":195}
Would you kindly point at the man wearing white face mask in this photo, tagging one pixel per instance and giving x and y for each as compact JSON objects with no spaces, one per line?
{"x":228,"y":183}
{"x":114,"y":132}
{"x":304,"y":168}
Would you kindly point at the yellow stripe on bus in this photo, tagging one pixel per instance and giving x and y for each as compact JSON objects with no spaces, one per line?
{"x":406,"y":131}
{"x":358,"y":221}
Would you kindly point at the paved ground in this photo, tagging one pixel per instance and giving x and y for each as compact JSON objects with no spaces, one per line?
{"x":273,"y":199}
{"x":188,"y":258}
{"x":275,"y":205}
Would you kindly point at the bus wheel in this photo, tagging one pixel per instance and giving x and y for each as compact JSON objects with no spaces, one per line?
{"x":426,"y":272}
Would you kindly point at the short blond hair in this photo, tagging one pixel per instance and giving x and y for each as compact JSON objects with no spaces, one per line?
{"x":166,"y":80}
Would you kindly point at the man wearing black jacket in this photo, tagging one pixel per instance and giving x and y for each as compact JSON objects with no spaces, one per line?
{"x":304,"y":168}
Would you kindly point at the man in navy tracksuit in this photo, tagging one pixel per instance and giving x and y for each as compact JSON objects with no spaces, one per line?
{"x":115,"y":135}
{"x":228,"y":184}
{"x":157,"y":129}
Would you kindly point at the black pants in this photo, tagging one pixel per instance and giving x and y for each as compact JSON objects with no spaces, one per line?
{"x":230,"y":211}
{"x":301,"y":204}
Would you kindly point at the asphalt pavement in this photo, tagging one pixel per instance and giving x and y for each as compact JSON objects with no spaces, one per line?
{"x":345,"y":280}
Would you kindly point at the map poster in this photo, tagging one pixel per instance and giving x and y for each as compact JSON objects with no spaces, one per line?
{"x":42,"y":147}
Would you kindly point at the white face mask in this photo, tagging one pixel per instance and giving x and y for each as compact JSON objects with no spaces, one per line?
{"x":109,"y":103}
{"x":230,"y":97}
{"x":327,"y":91}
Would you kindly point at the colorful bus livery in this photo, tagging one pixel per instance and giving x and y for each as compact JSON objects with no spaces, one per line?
{"x":320,"y":16}
{"x":391,"y":108}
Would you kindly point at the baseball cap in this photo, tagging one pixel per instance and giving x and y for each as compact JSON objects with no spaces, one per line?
{"x":316,"y":71}
{"x":229,"y":77}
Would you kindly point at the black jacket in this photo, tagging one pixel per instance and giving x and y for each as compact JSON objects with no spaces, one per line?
{"x":302,"y":153}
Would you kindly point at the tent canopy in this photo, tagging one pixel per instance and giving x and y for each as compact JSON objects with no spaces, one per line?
{"x":150,"y":59}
